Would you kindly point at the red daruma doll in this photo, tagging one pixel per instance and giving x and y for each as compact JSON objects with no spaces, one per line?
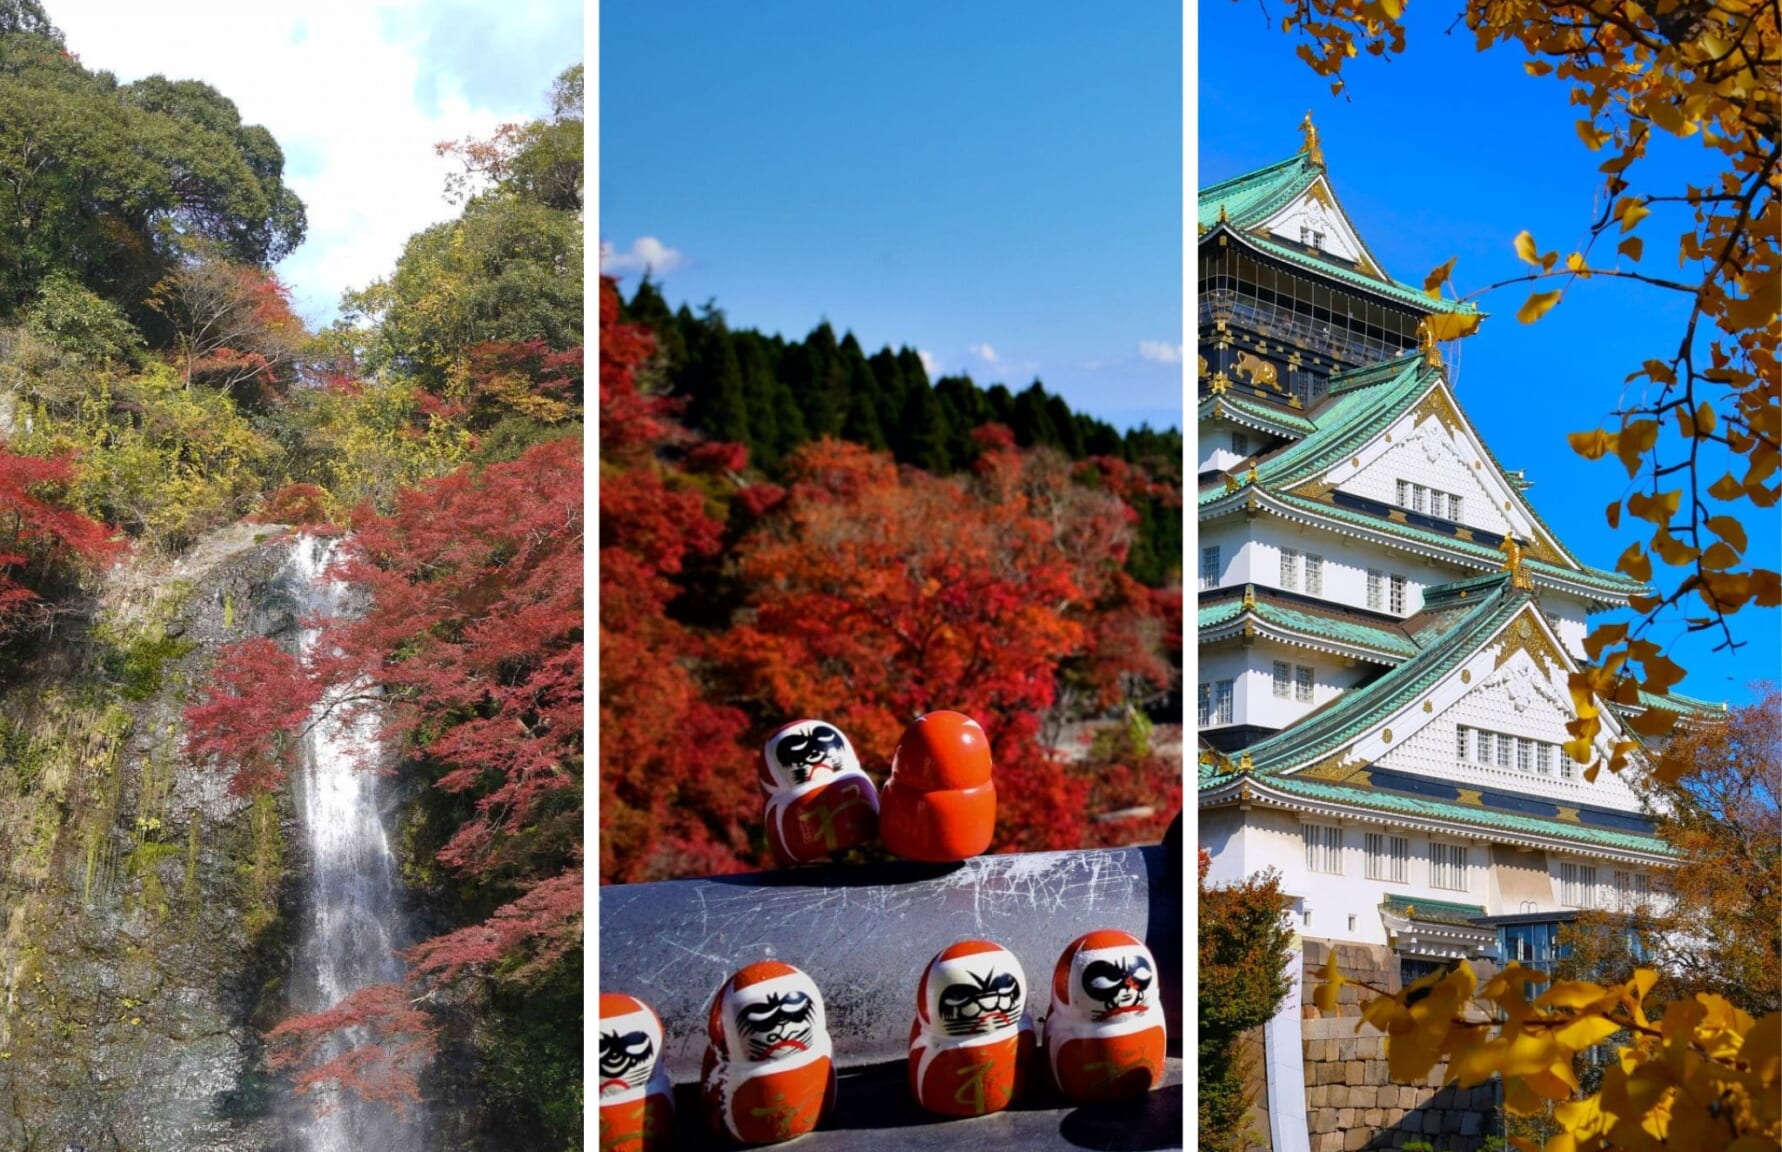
{"x":939,"y":804}
{"x":972,"y":1039}
{"x":819,"y":801}
{"x":636,"y":1097}
{"x":1104,"y":1034}
{"x":768,"y":1074}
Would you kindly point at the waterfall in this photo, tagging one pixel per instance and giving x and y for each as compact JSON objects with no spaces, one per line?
{"x":351,"y":924}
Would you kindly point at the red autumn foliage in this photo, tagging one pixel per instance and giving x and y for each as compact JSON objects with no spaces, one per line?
{"x":255,"y":706}
{"x":718,"y":458}
{"x":39,"y":533}
{"x":676,"y":785}
{"x":374,"y":1043}
{"x":297,"y":504}
{"x":472,"y":639}
{"x":523,"y":938}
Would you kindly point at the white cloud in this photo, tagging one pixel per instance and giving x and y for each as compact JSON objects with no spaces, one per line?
{"x":983,"y":352}
{"x":929,"y":365}
{"x":1160,"y":352}
{"x":340,"y":85}
{"x":647,"y":254}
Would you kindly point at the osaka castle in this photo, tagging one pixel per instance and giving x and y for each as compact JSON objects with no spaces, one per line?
{"x":1385,"y":623}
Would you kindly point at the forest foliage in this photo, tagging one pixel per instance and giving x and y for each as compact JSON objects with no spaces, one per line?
{"x":156,"y":384}
{"x":846,"y":584}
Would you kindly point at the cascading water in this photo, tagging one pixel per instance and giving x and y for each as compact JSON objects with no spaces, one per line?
{"x":352,"y":919}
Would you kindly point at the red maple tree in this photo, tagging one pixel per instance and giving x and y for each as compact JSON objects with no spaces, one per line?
{"x":41,"y":534}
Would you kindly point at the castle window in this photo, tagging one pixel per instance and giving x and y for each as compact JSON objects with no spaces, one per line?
{"x":1419,"y":498}
{"x":1240,"y":443}
{"x":1290,"y":569}
{"x":1398,"y":594}
{"x":1566,"y":768}
{"x":1324,"y":848}
{"x":1506,"y":748}
{"x":1302,"y":684}
{"x":1314,"y":574}
{"x":1404,"y":493}
{"x":1447,"y":866}
{"x":1387,"y":857}
{"x":1460,"y":748}
{"x":1215,"y":703}
{"x":1376,"y":582}
{"x":1209,"y":567}
{"x":1544,"y":757}
{"x":1283,"y":679}
{"x":1454,"y":509}
{"x":1524,"y":754}
{"x":1577,"y":885}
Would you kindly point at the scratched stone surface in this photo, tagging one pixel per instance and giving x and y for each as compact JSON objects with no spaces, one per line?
{"x":873,"y":1110}
{"x":866,"y":932}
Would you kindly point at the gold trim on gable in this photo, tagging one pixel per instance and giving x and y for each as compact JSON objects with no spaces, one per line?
{"x":1471,"y":797}
{"x":1523,"y":635}
{"x":1331,"y":768}
{"x":1567,"y":815}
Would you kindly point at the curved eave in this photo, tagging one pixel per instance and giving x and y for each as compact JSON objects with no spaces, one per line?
{"x":1215,"y":504}
{"x":1249,"y":789}
{"x":1297,"y":638}
{"x":1387,"y":291}
{"x":1222,"y":408}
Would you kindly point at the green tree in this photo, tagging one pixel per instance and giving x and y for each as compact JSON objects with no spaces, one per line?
{"x":1245,"y":948}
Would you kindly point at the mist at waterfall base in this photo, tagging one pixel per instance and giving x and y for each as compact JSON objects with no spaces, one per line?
{"x":351,"y":922}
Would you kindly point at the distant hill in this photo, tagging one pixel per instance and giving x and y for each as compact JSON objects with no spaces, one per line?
{"x":774,"y":394}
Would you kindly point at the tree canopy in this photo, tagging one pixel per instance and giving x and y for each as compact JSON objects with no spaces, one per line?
{"x":108,"y":182}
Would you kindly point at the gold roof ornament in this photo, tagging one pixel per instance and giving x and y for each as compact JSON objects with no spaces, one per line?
{"x":1221,"y":383}
{"x":1231,"y":484}
{"x":1244,"y":764}
{"x":1223,"y":218}
{"x":1250,"y":475}
{"x":1313,"y":152}
{"x":1519,"y":577}
{"x":1249,"y":604}
{"x":1426,"y":343}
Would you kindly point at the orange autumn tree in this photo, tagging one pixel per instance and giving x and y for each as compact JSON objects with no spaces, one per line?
{"x":876,"y":593}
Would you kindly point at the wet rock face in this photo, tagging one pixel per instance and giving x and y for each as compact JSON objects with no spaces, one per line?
{"x":144,"y":910}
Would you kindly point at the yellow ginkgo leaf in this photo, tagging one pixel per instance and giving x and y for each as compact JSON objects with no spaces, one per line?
{"x":1631,"y":247}
{"x":1329,"y":991}
{"x":1537,"y":305}
{"x":1432,"y":284}
{"x":1586,"y":1031}
{"x":1525,"y":247}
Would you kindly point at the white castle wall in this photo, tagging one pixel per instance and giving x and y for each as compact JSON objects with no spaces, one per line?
{"x":1432,"y":457}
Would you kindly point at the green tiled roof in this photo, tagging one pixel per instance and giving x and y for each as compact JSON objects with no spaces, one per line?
{"x":1434,"y":911}
{"x":1326,"y":730}
{"x":1464,"y":813}
{"x":1255,"y":196}
{"x":1250,"y":199}
{"x":1382,"y":638}
{"x":1287,"y":421}
{"x":1679,"y":703}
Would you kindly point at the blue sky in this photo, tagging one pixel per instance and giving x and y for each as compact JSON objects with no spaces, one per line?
{"x":1449,"y":152}
{"x":997,"y":185}
{"x":356,"y":92}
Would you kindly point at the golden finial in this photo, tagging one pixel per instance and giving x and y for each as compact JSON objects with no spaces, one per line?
{"x":1244,"y":764}
{"x":1250,"y":475}
{"x":1313,"y":152}
{"x":1426,"y":341}
{"x":1223,"y":218}
{"x":1519,"y":577}
{"x":1249,"y":604}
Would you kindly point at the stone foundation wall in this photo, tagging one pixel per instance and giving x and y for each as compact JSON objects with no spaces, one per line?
{"x":1352,"y":1104}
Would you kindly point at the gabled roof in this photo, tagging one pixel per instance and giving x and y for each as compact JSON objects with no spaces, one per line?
{"x":1244,"y":204}
{"x":1361,"y":406}
{"x":1455,"y":629}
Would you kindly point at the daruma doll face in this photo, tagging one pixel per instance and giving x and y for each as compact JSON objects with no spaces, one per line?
{"x":973,"y":988}
{"x":1105,"y":977}
{"x":806,"y":752}
{"x":630,"y":1044}
{"x":770,"y":1012}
